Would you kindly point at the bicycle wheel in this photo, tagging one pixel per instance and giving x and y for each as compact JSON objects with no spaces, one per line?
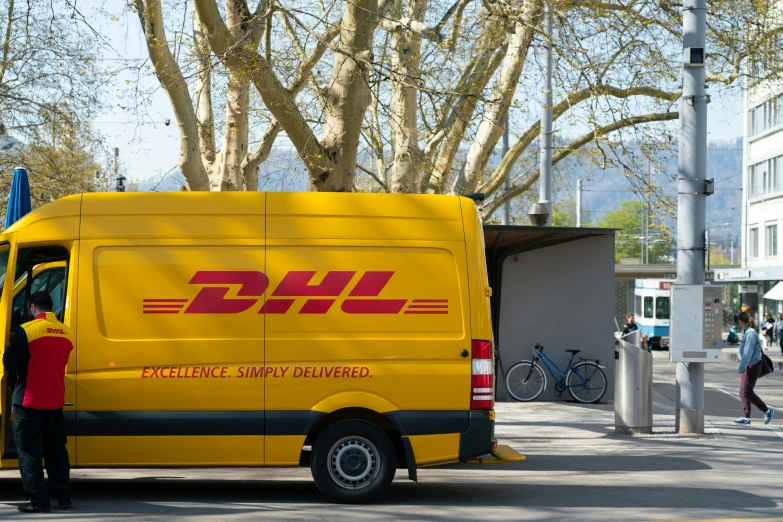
{"x":525,"y":381}
{"x":586,"y":382}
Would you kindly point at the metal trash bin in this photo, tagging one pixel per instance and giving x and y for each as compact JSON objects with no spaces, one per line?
{"x":633,"y":386}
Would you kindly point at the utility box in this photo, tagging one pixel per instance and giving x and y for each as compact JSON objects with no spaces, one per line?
{"x":696,"y":323}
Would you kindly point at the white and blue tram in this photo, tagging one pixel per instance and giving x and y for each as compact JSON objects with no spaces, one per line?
{"x":652,"y":308}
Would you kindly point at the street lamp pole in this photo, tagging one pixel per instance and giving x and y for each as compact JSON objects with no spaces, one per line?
{"x":692,"y":200}
{"x":545,"y":138}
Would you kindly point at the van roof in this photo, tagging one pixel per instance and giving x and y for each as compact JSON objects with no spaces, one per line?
{"x":106,"y":207}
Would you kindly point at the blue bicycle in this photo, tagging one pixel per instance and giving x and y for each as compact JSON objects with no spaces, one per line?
{"x":585,"y":380}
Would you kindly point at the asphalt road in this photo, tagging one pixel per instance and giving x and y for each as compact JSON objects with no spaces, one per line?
{"x":577,"y":469}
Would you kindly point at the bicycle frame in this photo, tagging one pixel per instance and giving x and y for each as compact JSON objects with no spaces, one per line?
{"x":540,"y":355}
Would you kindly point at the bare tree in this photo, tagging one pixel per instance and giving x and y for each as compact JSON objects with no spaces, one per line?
{"x":413,"y":95}
{"x":49,"y":74}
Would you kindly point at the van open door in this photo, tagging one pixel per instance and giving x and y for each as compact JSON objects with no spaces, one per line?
{"x":7,"y":280}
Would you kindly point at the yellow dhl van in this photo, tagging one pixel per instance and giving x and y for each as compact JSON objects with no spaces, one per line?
{"x":345,"y":332}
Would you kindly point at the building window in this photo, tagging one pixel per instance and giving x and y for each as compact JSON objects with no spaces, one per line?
{"x":753,"y":243}
{"x":765,"y":179}
{"x":771,"y":240}
{"x":766,"y":115}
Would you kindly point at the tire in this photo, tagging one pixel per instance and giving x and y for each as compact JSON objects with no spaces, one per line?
{"x":524,"y":388}
{"x":353,"y":462}
{"x":586,"y":382}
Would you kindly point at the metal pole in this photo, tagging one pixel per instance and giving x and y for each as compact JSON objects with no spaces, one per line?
{"x":545,"y":138}
{"x":732,"y":252}
{"x":707,"y":246}
{"x":119,"y":178}
{"x":691,"y":205}
{"x":648,"y":212}
{"x":579,"y":203}
{"x":505,"y":218}
{"x":643,"y":231}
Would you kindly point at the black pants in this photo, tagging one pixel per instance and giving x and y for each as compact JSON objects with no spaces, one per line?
{"x":41,"y":434}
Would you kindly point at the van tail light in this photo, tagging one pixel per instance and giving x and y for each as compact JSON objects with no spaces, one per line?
{"x":482,"y":380}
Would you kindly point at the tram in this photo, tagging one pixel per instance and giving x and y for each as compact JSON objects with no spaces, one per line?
{"x":652,"y":308}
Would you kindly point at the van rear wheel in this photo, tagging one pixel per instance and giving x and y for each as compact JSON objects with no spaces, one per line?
{"x":353,"y":462}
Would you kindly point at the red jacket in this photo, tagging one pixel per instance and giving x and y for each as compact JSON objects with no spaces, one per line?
{"x":38,"y":355}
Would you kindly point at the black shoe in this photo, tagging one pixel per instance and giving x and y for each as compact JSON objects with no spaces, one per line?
{"x":65,"y":504}
{"x":33,"y":508}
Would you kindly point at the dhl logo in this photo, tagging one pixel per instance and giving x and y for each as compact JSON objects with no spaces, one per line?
{"x":362,"y":299}
{"x":55,"y":331}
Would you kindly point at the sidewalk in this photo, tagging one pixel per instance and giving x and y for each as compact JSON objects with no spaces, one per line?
{"x":575,"y":460}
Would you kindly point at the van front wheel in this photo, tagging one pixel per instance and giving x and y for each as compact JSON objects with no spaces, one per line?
{"x":353,"y":462}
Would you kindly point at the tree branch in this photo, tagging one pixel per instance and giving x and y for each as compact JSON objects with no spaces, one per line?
{"x":261,"y":153}
{"x":170,"y":77}
{"x":503,"y":169}
{"x":578,"y":143}
{"x":277,"y":98}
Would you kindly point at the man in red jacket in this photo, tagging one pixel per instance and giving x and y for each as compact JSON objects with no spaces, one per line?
{"x":38,"y":355}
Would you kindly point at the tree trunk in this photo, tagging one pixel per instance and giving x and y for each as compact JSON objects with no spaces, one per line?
{"x":205,"y":117}
{"x":170,"y":77}
{"x":456,"y":124}
{"x":492,"y":124}
{"x":406,"y":53}
{"x":348,"y":97}
{"x":278,"y":100}
{"x":228,"y":173}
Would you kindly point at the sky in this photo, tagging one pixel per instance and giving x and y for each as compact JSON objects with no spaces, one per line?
{"x":149,"y":148}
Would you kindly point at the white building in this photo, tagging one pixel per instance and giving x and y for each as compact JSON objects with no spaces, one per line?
{"x":762,"y":202}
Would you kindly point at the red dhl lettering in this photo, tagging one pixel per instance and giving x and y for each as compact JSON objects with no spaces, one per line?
{"x":55,"y":331}
{"x":363,"y":297}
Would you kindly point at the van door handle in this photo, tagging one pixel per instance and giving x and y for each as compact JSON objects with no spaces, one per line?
{"x":68,"y":404}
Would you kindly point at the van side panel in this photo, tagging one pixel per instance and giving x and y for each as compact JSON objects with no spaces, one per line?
{"x":371,"y":302}
{"x":171,"y":349}
{"x":157,"y":451}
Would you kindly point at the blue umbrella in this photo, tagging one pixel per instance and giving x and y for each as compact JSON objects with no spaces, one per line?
{"x":19,"y":199}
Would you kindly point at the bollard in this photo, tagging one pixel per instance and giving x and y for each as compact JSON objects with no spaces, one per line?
{"x":633,"y":386}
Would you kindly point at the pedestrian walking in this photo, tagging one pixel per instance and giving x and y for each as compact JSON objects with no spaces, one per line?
{"x":768,"y":328}
{"x":778,"y":329}
{"x":37,"y":356}
{"x":750,"y":367}
{"x":630,"y":324}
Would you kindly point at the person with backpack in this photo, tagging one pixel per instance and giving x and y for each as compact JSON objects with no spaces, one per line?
{"x":750,"y":368}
